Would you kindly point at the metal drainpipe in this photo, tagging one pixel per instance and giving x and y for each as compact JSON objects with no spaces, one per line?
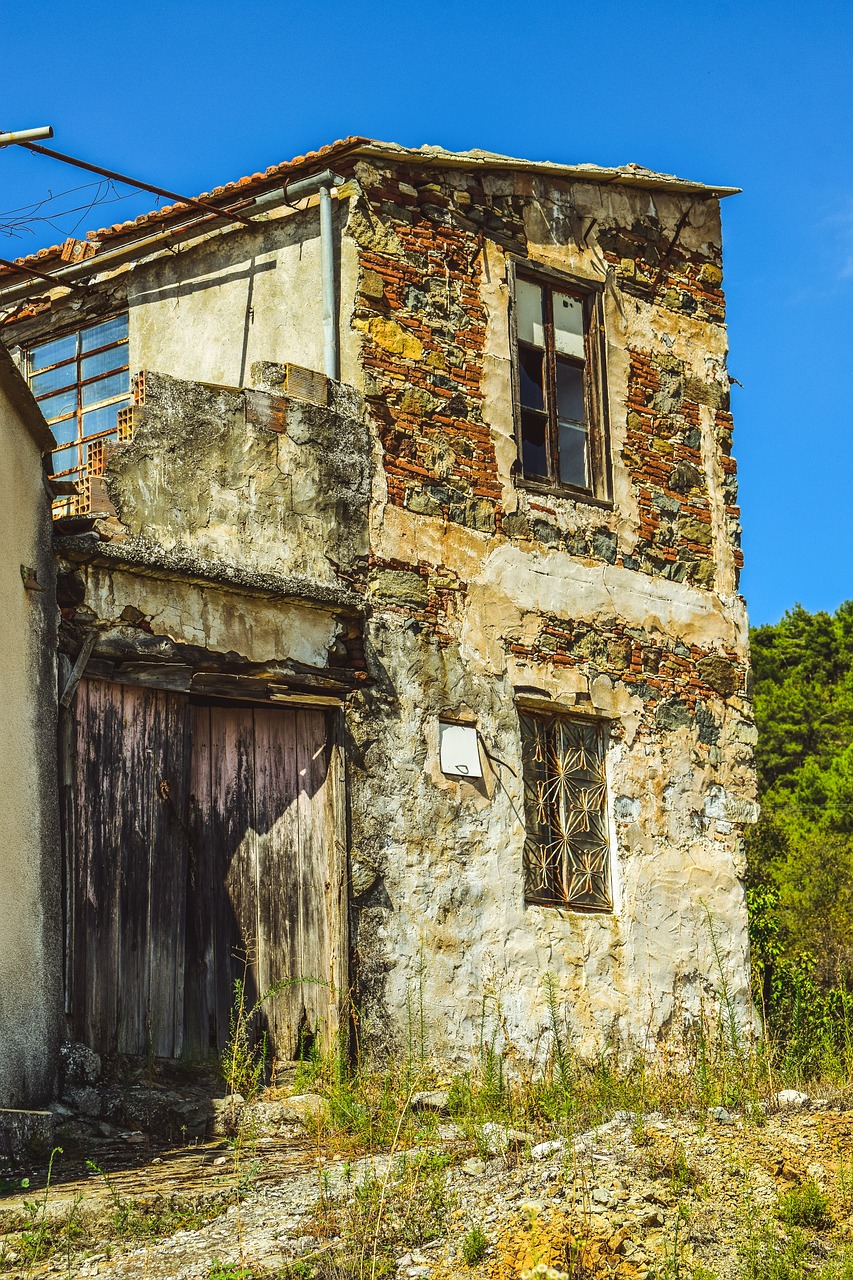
{"x":323,"y":183}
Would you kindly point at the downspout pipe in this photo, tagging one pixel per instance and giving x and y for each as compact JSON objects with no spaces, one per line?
{"x":323,"y":183}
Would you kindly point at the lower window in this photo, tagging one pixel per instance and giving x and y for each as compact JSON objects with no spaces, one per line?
{"x":567,"y":851}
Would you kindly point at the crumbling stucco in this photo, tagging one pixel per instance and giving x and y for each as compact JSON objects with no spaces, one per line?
{"x":435,"y":584}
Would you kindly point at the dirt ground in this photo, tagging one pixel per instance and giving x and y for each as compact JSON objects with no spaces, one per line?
{"x":639,"y":1197}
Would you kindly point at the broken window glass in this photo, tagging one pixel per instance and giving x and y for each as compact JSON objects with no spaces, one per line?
{"x":81,"y":381}
{"x":567,"y":850}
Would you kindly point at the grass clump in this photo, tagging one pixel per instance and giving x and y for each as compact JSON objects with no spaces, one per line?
{"x":474,"y":1246}
{"x":766,"y":1254}
{"x":804,"y":1205}
{"x":405,"y":1207}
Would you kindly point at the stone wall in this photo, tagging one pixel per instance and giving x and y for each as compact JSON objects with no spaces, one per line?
{"x":479,"y":587}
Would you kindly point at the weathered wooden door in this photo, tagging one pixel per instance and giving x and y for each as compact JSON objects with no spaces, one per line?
{"x":267,"y":846}
{"x":127,"y":867}
{"x":204,"y":844}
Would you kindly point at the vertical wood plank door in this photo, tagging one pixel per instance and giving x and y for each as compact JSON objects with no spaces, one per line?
{"x":268,"y":849}
{"x":205,"y":845}
{"x":127,"y":863}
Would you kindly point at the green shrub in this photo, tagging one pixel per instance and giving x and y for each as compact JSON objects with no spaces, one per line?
{"x":804,"y":1205}
{"x":474,"y":1247}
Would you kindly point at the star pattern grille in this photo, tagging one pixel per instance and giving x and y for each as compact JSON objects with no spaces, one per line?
{"x":566,"y":854}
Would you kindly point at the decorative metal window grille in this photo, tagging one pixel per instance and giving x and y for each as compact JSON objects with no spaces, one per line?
{"x":81,"y":381}
{"x":567,"y":852}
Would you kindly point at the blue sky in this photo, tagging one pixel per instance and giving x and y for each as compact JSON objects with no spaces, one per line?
{"x":756,"y":95}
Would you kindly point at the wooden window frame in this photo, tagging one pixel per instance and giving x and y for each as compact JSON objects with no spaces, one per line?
{"x":590,"y":294}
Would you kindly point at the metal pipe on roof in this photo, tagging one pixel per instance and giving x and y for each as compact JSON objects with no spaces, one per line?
{"x":323,"y":183}
{"x":143,"y":186}
{"x":41,"y":275}
{"x":25,"y":135}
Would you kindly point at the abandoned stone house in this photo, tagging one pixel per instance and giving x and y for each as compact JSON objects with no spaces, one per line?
{"x":401,"y":656}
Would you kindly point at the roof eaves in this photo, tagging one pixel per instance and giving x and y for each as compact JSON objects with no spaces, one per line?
{"x":251,"y":185}
{"x":627,"y":175}
{"x":247,"y":187}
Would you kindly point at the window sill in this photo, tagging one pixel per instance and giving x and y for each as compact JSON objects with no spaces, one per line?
{"x":556,"y":904}
{"x":564,"y":491}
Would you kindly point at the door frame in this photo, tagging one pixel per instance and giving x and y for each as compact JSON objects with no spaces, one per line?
{"x":340,"y":961}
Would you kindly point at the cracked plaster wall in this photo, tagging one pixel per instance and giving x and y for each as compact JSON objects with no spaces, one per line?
{"x":257,"y":479}
{"x":479,"y":587}
{"x":207,"y":312}
{"x":30,"y":920}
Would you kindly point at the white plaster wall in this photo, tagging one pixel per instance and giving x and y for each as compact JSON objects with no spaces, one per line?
{"x":208,"y":311}
{"x":223,"y":621}
{"x":30,"y":970}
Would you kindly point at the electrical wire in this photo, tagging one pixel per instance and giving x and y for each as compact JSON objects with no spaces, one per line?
{"x":21,"y":220}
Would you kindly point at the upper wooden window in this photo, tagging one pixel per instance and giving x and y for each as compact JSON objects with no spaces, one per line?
{"x":559,"y":391}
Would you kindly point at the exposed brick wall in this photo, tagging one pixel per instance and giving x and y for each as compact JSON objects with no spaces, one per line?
{"x":429,"y":596}
{"x":424,"y":329}
{"x":679,"y":684}
{"x":663,"y":453}
{"x":653,"y":265}
{"x":420,"y":311}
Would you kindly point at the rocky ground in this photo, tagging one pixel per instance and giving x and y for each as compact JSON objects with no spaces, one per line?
{"x":640,"y":1196}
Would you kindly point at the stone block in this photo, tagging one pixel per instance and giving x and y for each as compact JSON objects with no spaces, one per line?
{"x":547,"y":532}
{"x":400,"y":586}
{"x":80,"y":1065}
{"x":619,"y":654}
{"x":684,"y":477}
{"x":372,"y":284}
{"x":516,"y":525}
{"x":711,"y":274}
{"x":604,"y":545}
{"x":695,"y":531}
{"x":309,"y":1108}
{"x":723,"y":677}
{"x":434,"y":1100}
{"x":704,"y":574}
{"x":498,"y":1139}
{"x":673,"y":714}
{"x":20,"y":1130}
{"x":479,"y":514}
{"x":422,"y":503}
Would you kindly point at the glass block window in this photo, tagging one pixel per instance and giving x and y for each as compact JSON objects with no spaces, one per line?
{"x":81,"y":381}
{"x":567,"y":851}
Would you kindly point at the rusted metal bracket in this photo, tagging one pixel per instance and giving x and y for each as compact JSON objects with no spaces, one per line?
{"x":664,"y":262}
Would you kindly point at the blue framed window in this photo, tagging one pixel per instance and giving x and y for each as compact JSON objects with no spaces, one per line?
{"x":80,"y":381}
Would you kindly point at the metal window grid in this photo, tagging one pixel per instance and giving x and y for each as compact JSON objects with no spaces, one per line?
{"x":567,"y":850}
